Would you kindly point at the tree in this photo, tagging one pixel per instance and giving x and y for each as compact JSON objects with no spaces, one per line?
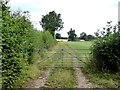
{"x":58,"y":35}
{"x":52,"y":22}
{"x":90,"y":37}
{"x":83,"y":35}
{"x":71,"y":35}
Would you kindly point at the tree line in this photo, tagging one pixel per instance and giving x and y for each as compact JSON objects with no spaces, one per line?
{"x":73,"y":37}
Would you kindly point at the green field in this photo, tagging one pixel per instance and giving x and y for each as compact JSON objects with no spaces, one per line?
{"x":80,"y":45}
{"x":81,"y":49}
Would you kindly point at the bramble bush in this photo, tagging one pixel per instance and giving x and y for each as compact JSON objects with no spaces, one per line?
{"x":106,"y":50}
{"x":20,"y":42}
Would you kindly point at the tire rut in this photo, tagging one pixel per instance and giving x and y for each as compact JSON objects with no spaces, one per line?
{"x":40,"y":81}
{"x":81,"y":80}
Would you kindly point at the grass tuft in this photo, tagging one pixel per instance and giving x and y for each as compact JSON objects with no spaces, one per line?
{"x":61,"y":78}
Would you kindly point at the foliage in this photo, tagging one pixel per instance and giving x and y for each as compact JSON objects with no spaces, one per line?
{"x":71,"y":35}
{"x":106,"y":51}
{"x":90,"y":37}
{"x":83,"y":36}
{"x":0,"y":42}
{"x":52,"y":22}
{"x":48,"y":39}
{"x":58,"y":35}
{"x":86,"y":37}
{"x":20,"y":41}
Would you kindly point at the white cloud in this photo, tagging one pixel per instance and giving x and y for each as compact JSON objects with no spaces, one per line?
{"x":81,"y":15}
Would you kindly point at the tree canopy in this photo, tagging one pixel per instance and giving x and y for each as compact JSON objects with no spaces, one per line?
{"x":58,"y":35}
{"x":52,"y":22}
{"x":71,"y":35}
{"x":83,"y":35}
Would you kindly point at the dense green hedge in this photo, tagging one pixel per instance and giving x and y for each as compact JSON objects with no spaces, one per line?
{"x":106,"y":51}
{"x":20,"y":41}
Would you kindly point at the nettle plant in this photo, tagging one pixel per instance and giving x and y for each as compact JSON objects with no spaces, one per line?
{"x":106,"y":49}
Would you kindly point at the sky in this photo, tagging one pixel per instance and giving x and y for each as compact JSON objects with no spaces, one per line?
{"x":81,"y":15}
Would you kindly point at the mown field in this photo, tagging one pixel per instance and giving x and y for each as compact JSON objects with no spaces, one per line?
{"x":99,"y":79}
{"x":81,"y":49}
{"x":80,"y":45}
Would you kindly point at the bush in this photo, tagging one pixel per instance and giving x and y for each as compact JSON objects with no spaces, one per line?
{"x":106,"y":52}
{"x":16,"y":45}
{"x":48,"y":39}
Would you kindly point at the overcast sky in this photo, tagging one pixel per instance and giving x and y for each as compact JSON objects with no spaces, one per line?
{"x":81,"y":15}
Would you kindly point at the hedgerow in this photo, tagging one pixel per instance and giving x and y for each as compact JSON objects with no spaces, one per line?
{"x":106,"y":50}
{"x":20,"y":42}
{"x":48,"y":39}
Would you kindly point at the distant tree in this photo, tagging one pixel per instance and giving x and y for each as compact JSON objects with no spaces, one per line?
{"x":52,"y":22}
{"x":90,"y":37}
{"x":58,"y":35}
{"x":83,"y":35}
{"x":71,"y":35}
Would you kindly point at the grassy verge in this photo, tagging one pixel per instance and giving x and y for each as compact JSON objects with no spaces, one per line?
{"x":29,"y":73}
{"x":34,"y":70}
{"x":99,"y":79}
{"x":61,"y":78}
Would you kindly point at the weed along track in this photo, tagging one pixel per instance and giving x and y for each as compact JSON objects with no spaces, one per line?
{"x":61,"y":78}
{"x":63,"y":72}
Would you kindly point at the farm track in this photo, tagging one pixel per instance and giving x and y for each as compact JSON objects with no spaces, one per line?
{"x":81,"y":81}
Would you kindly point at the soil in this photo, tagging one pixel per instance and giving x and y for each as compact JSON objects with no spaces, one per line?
{"x":82,"y":82}
{"x":40,"y":81}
